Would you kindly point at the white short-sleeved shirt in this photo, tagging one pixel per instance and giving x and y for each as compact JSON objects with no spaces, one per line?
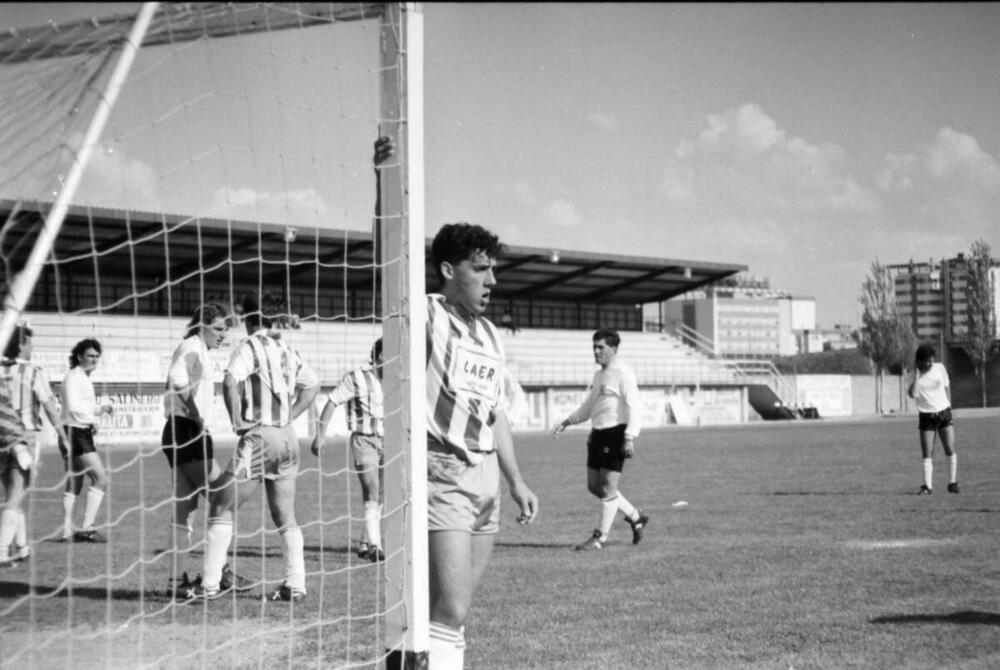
{"x":189,"y":372}
{"x":929,"y":390}
{"x":612,"y":399}
{"x":79,"y":401}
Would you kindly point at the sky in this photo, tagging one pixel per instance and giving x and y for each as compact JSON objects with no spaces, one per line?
{"x":801,"y":140}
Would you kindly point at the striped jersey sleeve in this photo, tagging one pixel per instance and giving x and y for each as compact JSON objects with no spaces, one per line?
{"x":465,"y":363}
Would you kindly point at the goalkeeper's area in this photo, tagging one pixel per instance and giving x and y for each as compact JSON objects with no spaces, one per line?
{"x":193,"y":153}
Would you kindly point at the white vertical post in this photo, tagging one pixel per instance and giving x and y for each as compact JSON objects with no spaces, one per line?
{"x":24,"y":283}
{"x":401,"y":237}
{"x":416,"y":290}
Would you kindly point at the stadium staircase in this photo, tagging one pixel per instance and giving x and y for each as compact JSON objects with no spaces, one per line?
{"x":768,"y":392}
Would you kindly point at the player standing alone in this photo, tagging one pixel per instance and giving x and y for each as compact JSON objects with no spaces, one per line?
{"x":80,"y":414}
{"x":931,"y":389}
{"x":361,"y":389}
{"x":612,"y":406}
{"x":469,"y":442}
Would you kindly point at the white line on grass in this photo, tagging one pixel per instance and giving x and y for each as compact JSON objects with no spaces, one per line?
{"x":915,"y":543}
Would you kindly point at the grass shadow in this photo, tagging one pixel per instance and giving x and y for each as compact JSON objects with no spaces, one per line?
{"x":325,"y":549}
{"x":965,"y":617}
{"x":17,"y":589}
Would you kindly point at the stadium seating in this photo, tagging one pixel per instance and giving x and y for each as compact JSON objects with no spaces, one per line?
{"x":537,"y":357}
{"x":542,"y":357}
{"x":330,"y":348}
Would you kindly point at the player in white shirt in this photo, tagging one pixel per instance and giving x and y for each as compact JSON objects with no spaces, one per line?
{"x":613,"y":409}
{"x":80,"y":416}
{"x":186,"y":442}
{"x":931,"y":389}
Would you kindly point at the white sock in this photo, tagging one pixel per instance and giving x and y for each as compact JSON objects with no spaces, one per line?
{"x":69,"y":502}
{"x":21,"y":534}
{"x":609,"y":507}
{"x":627,"y":508}
{"x":928,"y":473}
{"x":953,"y":468}
{"x":372,"y":523}
{"x":447,"y":647}
{"x":217,"y":538}
{"x":94,"y":498}
{"x":9,"y":519}
{"x":295,"y":562}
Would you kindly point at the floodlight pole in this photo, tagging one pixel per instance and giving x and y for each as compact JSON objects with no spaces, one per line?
{"x":24,"y":283}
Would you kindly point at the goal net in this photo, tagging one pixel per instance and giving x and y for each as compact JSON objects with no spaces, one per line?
{"x":198,"y":153}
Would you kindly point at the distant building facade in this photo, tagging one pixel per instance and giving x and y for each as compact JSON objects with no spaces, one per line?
{"x":743,"y":317}
{"x":932,"y":296}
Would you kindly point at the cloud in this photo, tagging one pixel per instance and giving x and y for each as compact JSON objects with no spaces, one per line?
{"x":606,"y":121}
{"x":561,"y":212}
{"x":949,"y":182}
{"x":114,"y":179}
{"x":520,"y":191}
{"x":951,"y":157}
{"x":744,"y":163}
{"x":299,"y":206}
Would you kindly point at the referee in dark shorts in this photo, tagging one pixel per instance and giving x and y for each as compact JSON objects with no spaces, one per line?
{"x":612,"y":406}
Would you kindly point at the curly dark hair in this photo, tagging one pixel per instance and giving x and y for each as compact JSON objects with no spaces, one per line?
{"x":81,"y":348}
{"x":456,"y":242}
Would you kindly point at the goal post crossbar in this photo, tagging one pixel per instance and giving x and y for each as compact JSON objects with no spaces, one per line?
{"x":178,"y":22}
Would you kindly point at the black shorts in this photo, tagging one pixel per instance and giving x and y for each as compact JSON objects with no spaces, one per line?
{"x":184,"y":441}
{"x":81,"y":441}
{"x":606,"y":448}
{"x":936,"y":420}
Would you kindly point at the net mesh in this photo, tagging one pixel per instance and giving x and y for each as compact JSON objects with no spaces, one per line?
{"x":236,"y":160}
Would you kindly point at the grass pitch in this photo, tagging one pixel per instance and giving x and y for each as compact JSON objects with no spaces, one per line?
{"x":803,"y":545}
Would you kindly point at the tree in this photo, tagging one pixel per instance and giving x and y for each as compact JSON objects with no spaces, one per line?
{"x":885,"y":337}
{"x":982,"y":320}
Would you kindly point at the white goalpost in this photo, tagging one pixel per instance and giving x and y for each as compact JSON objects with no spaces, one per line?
{"x":194,"y":153}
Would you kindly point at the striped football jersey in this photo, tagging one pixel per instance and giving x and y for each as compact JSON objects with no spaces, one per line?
{"x":464,"y":379}
{"x":24,"y":386}
{"x":361,"y":389}
{"x":270,"y":373}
